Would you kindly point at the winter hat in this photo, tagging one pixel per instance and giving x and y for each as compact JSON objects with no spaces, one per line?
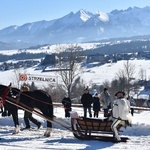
{"x":86,"y":89}
{"x":25,"y":88}
{"x":96,"y":94}
{"x":120,"y":92}
{"x":105,"y":89}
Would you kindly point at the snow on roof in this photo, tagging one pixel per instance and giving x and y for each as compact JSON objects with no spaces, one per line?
{"x":144,"y":92}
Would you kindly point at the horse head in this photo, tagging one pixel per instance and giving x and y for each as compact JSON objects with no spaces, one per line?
{"x":2,"y":89}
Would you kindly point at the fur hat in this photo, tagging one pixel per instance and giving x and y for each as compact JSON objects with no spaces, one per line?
{"x":25,"y":88}
{"x":96,"y":94}
{"x":120,"y":92}
{"x":86,"y":89}
{"x":105,"y":89}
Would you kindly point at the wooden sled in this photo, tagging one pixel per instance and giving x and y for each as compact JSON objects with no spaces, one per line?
{"x":93,"y":129}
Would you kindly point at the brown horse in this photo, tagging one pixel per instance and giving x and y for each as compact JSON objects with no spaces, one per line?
{"x":28,"y":100}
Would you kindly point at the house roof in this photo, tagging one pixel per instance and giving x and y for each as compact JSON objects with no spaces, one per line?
{"x":145,"y":94}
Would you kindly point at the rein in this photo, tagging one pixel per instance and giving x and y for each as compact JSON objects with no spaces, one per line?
{"x":18,"y":97}
{"x":32,"y":97}
{"x":36,"y":112}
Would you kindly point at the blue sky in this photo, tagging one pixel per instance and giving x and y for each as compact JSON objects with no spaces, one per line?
{"x":18,"y":12}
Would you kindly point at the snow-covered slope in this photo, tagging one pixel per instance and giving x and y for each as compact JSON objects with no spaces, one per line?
{"x":61,"y":139}
{"x":94,"y":75}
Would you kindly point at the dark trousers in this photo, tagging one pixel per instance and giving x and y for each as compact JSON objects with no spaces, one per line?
{"x":106,"y":112}
{"x":132,"y":111}
{"x":96,"y":114}
{"x":67,"y":112}
{"x":27,"y":117}
{"x":85,"y":111}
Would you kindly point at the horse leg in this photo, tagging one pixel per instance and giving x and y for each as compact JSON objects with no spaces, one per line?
{"x":48,"y":112}
{"x":48,"y":130}
{"x":16,"y":121}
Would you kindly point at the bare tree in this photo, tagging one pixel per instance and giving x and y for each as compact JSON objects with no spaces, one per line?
{"x":106,"y":83}
{"x":129,"y":73}
{"x":69,"y":65}
{"x":142,"y":74}
{"x":121,"y":80}
{"x":56,"y":92}
{"x":77,"y":88}
{"x":126,"y":75}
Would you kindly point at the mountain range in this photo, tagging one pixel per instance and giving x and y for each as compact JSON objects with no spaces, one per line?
{"x":82,"y":26}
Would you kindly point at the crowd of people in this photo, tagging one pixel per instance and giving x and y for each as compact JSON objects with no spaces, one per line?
{"x":118,"y":110}
{"x":95,"y":103}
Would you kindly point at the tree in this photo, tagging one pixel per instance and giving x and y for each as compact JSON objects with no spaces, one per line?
{"x":142,"y":74}
{"x":69,"y":66}
{"x":121,"y":80}
{"x":56,"y":92}
{"x":77,"y":88}
{"x":114,"y":87}
{"x":129,"y":73}
{"x":126,"y":75}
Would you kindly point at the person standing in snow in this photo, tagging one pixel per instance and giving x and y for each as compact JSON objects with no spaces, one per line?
{"x":67,"y":105}
{"x":96,"y":105}
{"x":28,"y":115}
{"x":132,"y":103}
{"x":86,"y":101}
{"x":105,"y":101}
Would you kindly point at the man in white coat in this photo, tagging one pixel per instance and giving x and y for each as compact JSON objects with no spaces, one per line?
{"x":120,"y":112}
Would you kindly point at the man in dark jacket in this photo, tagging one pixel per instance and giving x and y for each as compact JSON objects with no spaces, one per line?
{"x":67,"y":105}
{"x":86,"y":101}
{"x":28,"y":115}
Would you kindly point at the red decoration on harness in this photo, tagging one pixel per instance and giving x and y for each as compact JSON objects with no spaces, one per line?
{"x":1,"y":104}
{"x":5,"y":94}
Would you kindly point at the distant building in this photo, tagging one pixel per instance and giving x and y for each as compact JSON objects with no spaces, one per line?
{"x":95,"y":58}
{"x":49,"y":60}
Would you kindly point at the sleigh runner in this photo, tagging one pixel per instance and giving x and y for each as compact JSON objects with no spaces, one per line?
{"x":94,"y":129}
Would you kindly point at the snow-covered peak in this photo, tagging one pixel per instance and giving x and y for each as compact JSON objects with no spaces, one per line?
{"x":135,"y":16}
{"x":102,"y":16}
{"x":84,"y":15}
{"x":81,"y":26}
{"x":13,"y":27}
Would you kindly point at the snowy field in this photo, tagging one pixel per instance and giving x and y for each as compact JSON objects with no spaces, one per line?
{"x":94,"y":75}
{"x":61,"y":139}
